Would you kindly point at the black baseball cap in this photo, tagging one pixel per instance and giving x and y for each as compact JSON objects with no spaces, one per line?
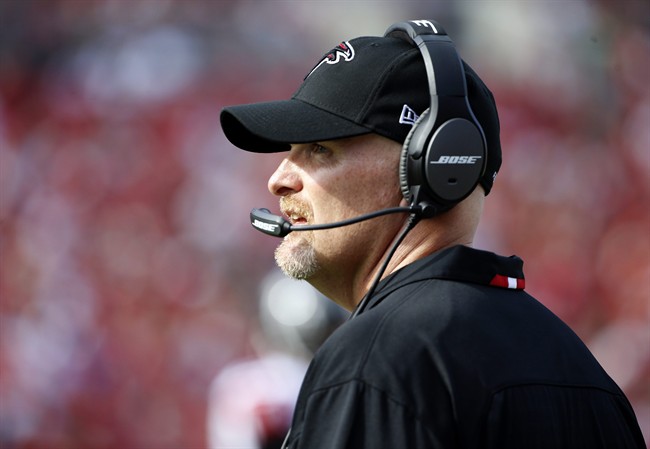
{"x":365,"y":85}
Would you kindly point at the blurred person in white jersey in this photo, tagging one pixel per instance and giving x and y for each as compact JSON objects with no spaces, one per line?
{"x":251,"y":401}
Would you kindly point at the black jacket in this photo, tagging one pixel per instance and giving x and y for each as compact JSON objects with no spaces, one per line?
{"x":452,"y":353}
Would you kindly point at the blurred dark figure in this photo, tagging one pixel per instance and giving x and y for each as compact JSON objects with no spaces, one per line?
{"x":251,"y":401}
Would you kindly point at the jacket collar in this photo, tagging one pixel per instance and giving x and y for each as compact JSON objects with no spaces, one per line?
{"x":457,"y":263}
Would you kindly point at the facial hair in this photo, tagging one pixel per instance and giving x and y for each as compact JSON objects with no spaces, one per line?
{"x":296,"y":255}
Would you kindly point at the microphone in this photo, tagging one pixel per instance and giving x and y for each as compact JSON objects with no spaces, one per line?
{"x":264,"y":221}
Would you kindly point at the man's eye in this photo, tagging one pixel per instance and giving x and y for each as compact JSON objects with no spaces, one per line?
{"x":319,"y":149}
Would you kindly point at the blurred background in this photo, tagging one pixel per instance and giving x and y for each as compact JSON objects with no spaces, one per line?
{"x":130,"y":278}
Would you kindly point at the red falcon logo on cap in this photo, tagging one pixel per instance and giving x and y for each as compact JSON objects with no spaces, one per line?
{"x":343,"y":51}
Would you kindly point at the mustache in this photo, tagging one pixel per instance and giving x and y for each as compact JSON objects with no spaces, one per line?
{"x":290,"y":206}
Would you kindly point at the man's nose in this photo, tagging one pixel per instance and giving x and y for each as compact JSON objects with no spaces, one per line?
{"x":285,"y":180}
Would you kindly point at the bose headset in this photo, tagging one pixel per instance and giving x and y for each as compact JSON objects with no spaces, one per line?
{"x":445,"y":154}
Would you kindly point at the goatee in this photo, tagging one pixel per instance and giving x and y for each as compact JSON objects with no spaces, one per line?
{"x":296,"y":257}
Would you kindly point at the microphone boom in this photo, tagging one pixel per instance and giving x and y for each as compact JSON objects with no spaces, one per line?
{"x":264,"y":221}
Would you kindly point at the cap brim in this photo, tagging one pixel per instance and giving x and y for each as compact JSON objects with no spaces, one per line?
{"x":271,"y":127}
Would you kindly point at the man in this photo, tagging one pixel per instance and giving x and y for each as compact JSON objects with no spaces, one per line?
{"x":444,"y":349}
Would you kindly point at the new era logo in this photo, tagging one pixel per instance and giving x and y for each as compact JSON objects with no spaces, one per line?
{"x":408,"y":116}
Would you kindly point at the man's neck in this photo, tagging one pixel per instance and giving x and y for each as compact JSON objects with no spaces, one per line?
{"x":424,"y":240}
{"x":455,"y":227}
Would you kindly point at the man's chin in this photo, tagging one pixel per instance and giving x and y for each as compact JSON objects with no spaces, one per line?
{"x":296,"y":257}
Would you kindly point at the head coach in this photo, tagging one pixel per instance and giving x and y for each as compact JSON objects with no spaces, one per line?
{"x":392,"y":144}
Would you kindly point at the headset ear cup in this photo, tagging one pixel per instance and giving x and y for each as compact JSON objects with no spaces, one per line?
{"x":403,"y":162}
